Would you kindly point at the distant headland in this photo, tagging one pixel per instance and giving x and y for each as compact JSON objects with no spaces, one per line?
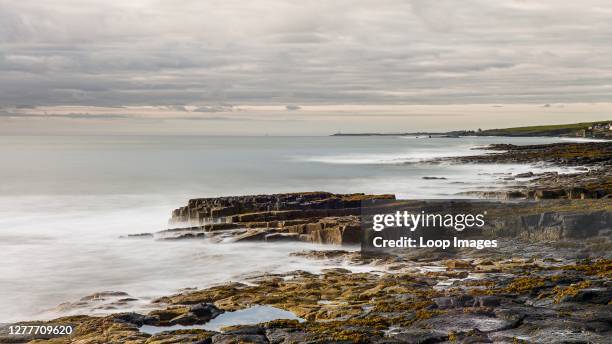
{"x":601,"y":129}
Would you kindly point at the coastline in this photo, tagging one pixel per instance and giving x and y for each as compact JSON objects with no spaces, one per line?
{"x":407,"y":301}
{"x":595,"y":130}
{"x":305,"y":172}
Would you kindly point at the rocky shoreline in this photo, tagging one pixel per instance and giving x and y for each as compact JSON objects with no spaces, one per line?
{"x":592,"y":160}
{"x":482,"y":299}
{"x":549,"y":283}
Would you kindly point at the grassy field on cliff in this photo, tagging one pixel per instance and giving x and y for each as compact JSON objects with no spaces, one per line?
{"x":542,"y":130}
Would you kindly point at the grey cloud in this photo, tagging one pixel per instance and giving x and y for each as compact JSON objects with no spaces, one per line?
{"x":177,"y":107}
{"x":68,"y":115}
{"x":216,"y":108}
{"x":318,"y":52}
{"x":87,"y":116}
{"x":437,"y":16}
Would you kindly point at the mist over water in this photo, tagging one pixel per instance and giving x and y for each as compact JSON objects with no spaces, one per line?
{"x":65,"y":200}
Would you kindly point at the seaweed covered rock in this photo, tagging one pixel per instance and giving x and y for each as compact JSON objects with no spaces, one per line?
{"x":548,"y":302}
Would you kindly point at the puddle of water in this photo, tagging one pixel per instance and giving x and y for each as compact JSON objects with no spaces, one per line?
{"x":445,"y":284}
{"x":432,"y":268}
{"x":253,"y":315}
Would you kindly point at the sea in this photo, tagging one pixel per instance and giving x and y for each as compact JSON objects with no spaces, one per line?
{"x":66,"y":200}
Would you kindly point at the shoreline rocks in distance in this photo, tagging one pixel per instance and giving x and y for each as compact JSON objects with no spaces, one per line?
{"x":592,"y":160}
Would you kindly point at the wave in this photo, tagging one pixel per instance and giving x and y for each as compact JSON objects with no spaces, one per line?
{"x":387,"y":158}
{"x":582,"y":139}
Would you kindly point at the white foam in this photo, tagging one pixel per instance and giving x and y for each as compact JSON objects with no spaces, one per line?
{"x":385,"y":159}
{"x":583,"y":139}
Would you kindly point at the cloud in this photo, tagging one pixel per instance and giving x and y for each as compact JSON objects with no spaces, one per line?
{"x":177,"y":107}
{"x":437,"y":16}
{"x":67,"y":115}
{"x":216,"y":108}
{"x":146,"y":52}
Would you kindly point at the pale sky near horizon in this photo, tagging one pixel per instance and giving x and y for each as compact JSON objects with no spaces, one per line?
{"x":300,"y":67}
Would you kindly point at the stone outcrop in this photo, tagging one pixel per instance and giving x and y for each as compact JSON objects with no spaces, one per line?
{"x":319,"y":217}
{"x":327,"y":218}
{"x":288,"y":206}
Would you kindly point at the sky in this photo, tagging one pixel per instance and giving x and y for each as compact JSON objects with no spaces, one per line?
{"x":300,"y":67}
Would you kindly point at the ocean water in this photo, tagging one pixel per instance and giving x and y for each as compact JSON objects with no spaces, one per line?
{"x":65,"y":200}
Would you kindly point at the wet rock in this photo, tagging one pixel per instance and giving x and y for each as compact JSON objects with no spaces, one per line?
{"x":464,"y":322}
{"x":487,"y":301}
{"x":239,"y":339}
{"x":548,"y":335}
{"x":275,"y":237}
{"x":458,"y":264}
{"x":323,"y":254}
{"x":454,"y":302}
{"x":318,"y":217}
{"x":244,"y":329}
{"x":137,"y":236}
{"x":549,"y":194}
{"x":205,"y":311}
{"x":515,"y":194}
{"x":601,"y":296}
{"x":336,"y":271}
{"x":104,"y":295}
{"x":132,"y":318}
{"x":524,"y":175}
{"x":184,"y":319}
{"x":487,"y":267}
{"x":193,"y":336}
{"x":252,"y":235}
{"x":185,"y":236}
{"x":285,"y":335}
{"x":202,"y":209}
{"x":419,"y":336}
{"x":551,"y":330}
{"x":127,"y":299}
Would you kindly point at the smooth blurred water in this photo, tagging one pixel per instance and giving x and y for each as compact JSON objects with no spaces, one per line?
{"x":64,"y":200}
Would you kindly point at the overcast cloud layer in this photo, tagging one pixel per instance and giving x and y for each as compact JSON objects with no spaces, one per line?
{"x":216,"y":55}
